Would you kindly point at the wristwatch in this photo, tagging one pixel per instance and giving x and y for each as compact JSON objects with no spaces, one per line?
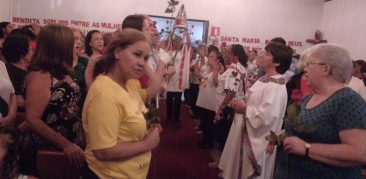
{"x":307,"y":147}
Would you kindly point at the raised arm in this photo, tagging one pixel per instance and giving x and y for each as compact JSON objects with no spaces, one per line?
{"x":189,"y":43}
{"x":90,"y":70}
{"x":155,"y":78}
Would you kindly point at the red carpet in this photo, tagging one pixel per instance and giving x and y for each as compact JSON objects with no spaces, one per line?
{"x":178,"y":155}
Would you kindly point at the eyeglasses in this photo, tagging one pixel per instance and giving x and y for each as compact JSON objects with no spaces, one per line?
{"x":314,"y":63}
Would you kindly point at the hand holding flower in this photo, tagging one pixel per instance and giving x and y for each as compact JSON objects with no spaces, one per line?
{"x":274,"y":139}
{"x":218,"y":115}
{"x":239,"y":106}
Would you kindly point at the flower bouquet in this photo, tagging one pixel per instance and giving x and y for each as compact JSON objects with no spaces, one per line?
{"x":152,"y":116}
{"x":294,"y":123}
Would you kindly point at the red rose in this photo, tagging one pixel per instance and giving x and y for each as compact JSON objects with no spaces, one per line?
{"x":144,"y":81}
{"x":296,"y":94}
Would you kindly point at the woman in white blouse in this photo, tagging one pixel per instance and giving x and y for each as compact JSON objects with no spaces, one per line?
{"x":205,"y":99}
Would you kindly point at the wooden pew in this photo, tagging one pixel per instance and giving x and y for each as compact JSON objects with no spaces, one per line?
{"x":55,"y":165}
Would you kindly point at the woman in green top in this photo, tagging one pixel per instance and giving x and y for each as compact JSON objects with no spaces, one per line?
{"x":79,"y":64}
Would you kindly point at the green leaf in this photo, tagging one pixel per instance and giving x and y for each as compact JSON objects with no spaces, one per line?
{"x":272,"y":137}
{"x":292,"y":110}
{"x":273,"y":134}
{"x":153,"y":115}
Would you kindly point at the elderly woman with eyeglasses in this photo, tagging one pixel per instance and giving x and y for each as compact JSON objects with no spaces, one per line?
{"x":328,"y":138}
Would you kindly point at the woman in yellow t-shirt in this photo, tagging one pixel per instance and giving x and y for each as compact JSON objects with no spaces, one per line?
{"x":118,"y":139}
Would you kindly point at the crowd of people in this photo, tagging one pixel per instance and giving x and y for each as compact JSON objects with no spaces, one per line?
{"x":87,"y":95}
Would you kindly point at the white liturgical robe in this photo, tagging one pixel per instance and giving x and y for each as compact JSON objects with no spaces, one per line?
{"x":266,"y":106}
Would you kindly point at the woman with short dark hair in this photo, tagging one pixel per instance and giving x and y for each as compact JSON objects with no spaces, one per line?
{"x":94,"y":45}
{"x":18,"y":54}
{"x":135,"y":22}
{"x":263,"y":109}
{"x":5,"y":29}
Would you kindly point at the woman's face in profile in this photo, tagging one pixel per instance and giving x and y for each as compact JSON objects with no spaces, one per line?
{"x":77,"y":43}
{"x":312,"y":70}
{"x":7,"y":30}
{"x":265,"y":61}
{"x":132,"y":60}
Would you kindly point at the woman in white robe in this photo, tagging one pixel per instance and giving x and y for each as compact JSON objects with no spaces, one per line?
{"x":264,"y":109}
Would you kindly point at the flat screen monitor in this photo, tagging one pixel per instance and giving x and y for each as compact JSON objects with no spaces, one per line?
{"x":198,"y":29}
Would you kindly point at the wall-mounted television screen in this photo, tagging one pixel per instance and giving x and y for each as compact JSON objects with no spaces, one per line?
{"x":198,"y":29}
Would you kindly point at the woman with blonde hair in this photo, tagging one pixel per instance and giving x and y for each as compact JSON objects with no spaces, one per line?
{"x":79,"y":64}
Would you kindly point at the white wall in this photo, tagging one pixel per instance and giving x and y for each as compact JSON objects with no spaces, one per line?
{"x":4,"y":10}
{"x":344,"y":22}
{"x":295,"y":20}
